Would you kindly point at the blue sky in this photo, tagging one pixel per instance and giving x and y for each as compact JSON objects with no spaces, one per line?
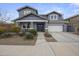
{"x":67,"y":9}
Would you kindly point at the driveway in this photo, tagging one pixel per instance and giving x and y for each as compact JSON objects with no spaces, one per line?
{"x":65,"y":37}
{"x":67,"y":45}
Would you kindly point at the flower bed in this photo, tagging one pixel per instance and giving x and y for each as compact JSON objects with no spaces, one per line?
{"x":77,"y":33}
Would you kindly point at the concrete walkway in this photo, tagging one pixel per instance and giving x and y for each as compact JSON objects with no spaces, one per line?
{"x":66,"y":46}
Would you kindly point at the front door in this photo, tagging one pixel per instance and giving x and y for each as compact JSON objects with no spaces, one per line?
{"x":40,"y":26}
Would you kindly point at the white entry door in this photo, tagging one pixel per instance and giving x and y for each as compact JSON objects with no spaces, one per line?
{"x":55,"y":28}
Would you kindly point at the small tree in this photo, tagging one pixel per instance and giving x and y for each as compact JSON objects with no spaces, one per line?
{"x":4,"y":16}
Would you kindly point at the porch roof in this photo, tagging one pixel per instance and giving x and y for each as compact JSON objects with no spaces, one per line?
{"x":20,"y":18}
{"x":31,"y":21}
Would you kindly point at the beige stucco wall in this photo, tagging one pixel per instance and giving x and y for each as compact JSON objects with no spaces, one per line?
{"x":75,"y":22}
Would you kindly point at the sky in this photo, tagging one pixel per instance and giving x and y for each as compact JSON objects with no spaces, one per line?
{"x":66,"y":9}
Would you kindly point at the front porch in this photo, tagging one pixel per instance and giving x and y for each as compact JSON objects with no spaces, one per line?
{"x":40,"y":26}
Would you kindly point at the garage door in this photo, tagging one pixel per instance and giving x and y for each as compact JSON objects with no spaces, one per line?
{"x":55,"y":28}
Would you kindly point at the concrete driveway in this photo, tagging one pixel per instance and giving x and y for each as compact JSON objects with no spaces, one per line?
{"x":67,"y":45}
{"x":65,"y":37}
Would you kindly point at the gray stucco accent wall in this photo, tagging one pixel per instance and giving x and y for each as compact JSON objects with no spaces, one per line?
{"x":21,"y":13}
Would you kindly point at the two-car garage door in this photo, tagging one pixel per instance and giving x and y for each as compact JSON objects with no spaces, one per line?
{"x":55,"y":28}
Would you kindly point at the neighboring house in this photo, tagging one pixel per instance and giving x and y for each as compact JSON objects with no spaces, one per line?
{"x":74,"y":23}
{"x":30,"y":19}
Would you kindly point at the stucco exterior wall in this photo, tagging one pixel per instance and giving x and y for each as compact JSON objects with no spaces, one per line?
{"x":75,"y":23}
{"x":21,"y":13}
{"x":58,"y":16}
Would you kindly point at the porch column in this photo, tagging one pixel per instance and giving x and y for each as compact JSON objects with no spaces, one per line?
{"x":46,"y":26}
{"x":31,"y":25}
{"x":17,"y":24}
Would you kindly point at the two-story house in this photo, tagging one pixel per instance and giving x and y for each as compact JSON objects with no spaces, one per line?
{"x":30,"y":19}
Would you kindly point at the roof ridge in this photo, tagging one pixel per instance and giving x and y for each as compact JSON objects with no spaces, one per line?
{"x":25,"y":7}
{"x":54,"y":12}
{"x":72,"y":16}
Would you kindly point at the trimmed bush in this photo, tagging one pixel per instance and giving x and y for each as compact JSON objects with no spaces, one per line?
{"x":33,"y":31}
{"x":6,"y":35}
{"x":29,"y":35}
{"x":47,"y":34}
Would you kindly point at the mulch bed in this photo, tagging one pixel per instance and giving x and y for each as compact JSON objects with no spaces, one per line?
{"x":50,"y":39}
{"x":17,"y":40}
{"x":76,"y":33}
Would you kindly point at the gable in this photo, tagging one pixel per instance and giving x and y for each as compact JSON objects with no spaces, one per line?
{"x":26,"y":7}
{"x":32,"y":17}
{"x":54,"y":13}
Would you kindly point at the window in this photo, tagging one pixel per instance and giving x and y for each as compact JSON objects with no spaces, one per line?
{"x":27,"y":12}
{"x":53,"y":17}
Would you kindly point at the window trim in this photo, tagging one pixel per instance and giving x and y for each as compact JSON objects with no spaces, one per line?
{"x":53,"y":17}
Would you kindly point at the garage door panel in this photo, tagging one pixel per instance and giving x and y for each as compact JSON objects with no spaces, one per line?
{"x":55,"y":28}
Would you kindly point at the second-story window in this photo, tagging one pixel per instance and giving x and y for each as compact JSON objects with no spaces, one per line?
{"x":27,"y":12}
{"x":54,"y":17}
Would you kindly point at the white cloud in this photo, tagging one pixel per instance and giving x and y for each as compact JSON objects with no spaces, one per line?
{"x":75,"y":4}
{"x":76,"y":10}
{"x":57,"y":9}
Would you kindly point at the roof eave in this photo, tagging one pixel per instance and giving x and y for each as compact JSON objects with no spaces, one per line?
{"x":28,"y":15}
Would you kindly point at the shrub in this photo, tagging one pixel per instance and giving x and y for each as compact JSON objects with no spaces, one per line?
{"x":6,"y":35}
{"x":21,"y":33}
{"x":2,"y":30}
{"x":33,"y":31}
{"x":29,"y":35}
{"x":15,"y":29}
{"x":47,"y":34}
{"x":78,"y":29}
